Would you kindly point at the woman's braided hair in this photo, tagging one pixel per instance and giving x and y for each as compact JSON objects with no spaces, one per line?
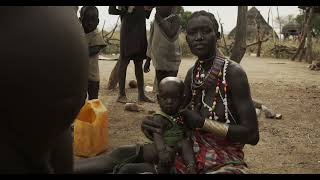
{"x":210,"y":16}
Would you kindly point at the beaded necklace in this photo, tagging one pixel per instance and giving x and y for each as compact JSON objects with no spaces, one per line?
{"x":200,"y":79}
{"x":177,"y":118}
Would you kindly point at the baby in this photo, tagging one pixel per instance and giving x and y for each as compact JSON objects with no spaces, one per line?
{"x":159,"y":156}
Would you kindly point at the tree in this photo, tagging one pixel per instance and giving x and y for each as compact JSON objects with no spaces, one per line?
{"x":309,"y":15}
{"x":225,"y":46}
{"x":316,"y":23}
{"x":184,"y":15}
{"x":239,"y":48}
{"x":309,"y":37}
{"x":180,"y":10}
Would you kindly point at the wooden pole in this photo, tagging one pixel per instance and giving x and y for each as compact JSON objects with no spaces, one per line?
{"x":309,"y":37}
{"x":280,"y":27}
{"x":274,"y":37}
{"x":303,"y":50}
{"x":114,"y":78}
{"x":258,"y":36}
{"x":240,"y":46}
{"x":309,"y":12}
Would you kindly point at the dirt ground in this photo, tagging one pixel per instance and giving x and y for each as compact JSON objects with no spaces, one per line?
{"x":289,"y":145}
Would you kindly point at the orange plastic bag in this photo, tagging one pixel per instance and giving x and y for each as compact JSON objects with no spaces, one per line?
{"x":90,"y":129}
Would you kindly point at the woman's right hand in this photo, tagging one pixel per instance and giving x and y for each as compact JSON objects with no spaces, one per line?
{"x":149,"y":127}
{"x":192,"y":118}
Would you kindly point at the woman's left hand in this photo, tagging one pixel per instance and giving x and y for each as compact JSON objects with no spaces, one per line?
{"x":149,"y":127}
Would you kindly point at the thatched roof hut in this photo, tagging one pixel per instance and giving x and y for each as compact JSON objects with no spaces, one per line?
{"x":254,"y":17}
{"x":292,"y":29}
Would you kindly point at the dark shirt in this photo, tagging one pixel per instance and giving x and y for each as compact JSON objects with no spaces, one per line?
{"x":133,"y":35}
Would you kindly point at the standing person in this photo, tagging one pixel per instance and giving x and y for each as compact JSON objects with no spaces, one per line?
{"x":89,"y":17}
{"x":164,"y":47}
{"x":45,"y":82}
{"x":133,"y":46}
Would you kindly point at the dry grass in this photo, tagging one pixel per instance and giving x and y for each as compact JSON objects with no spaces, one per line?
{"x":114,"y":48}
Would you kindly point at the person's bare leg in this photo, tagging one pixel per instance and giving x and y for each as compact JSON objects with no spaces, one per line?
{"x":122,"y":73}
{"x":105,"y":163}
{"x":150,"y":154}
{"x":173,"y":73}
{"x":137,"y":168}
{"x":93,"y":89}
{"x":139,"y":76}
{"x":150,"y":157}
{"x":160,"y":74}
{"x":188,"y":156}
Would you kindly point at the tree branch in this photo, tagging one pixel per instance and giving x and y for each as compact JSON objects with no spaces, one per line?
{"x":255,"y":43}
{"x":108,"y":37}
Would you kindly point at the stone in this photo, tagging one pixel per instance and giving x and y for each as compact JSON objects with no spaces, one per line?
{"x":312,"y":67}
{"x":148,"y":88}
{"x":278,"y":116}
{"x":131,"y":107}
{"x":267,"y":112}
{"x":258,"y":112}
{"x":316,"y":63}
{"x":133,"y":84}
{"x":257,"y":103}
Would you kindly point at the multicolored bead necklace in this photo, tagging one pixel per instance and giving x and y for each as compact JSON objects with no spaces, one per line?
{"x":178,"y":119}
{"x":199,"y":80}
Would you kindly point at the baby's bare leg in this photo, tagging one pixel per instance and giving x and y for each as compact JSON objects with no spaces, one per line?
{"x":188,"y":156}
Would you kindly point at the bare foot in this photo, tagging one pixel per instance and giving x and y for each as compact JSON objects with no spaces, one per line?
{"x":122,"y":99}
{"x":145,"y":99}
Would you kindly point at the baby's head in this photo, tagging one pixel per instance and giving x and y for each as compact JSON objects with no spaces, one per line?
{"x":170,"y":95}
